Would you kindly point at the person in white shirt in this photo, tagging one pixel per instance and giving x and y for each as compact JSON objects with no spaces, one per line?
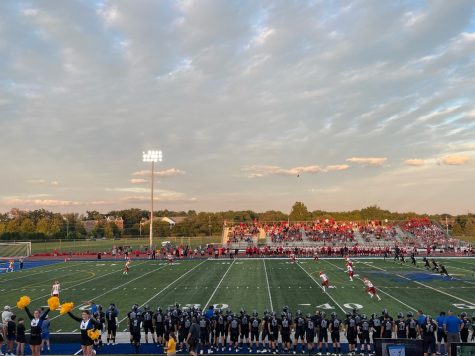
{"x":55,"y":289}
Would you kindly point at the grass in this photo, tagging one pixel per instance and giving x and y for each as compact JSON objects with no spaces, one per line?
{"x":106,"y":245}
{"x":244,"y":283}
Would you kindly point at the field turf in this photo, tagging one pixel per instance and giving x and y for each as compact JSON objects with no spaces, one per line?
{"x":244,"y":283}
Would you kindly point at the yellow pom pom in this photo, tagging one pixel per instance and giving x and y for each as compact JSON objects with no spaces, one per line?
{"x":23,"y":302}
{"x":94,"y":334}
{"x":53,"y":303}
{"x":66,"y":308}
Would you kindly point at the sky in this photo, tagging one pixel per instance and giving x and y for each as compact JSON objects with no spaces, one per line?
{"x":255,"y":104}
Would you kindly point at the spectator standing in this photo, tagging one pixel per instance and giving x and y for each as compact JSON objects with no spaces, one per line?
{"x":171,"y":345}
{"x":452,"y":327}
{"x":45,"y":334}
{"x":193,"y":337}
{"x":20,"y":337}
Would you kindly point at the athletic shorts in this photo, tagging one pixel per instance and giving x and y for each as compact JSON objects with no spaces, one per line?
{"x":364,"y":337}
{"x":112,"y":328}
{"x":254,"y":334}
{"x":148,"y":328}
{"x":310,"y":336}
{"x":234,"y":336}
{"x":299,"y":333}
{"x":323,"y":335}
{"x":45,"y":336}
{"x":441,"y":335}
{"x":428,"y":345}
{"x":335,"y":335}
{"x":220,"y":331}
{"x":285,"y":337}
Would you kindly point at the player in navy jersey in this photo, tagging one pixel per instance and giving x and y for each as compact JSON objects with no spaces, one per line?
{"x":387,"y":327}
{"x":351,"y":331}
{"x":429,"y":329}
{"x":335,"y":327}
{"x":255,"y":322}
{"x":411,"y":326}
{"x":219,"y":330}
{"x":265,"y":331}
{"x":159,"y":325}
{"x":148,"y":324}
{"x":111,"y":320}
{"x":273,"y":332}
{"x":285,"y":331}
{"x":244,"y":330}
{"x":310,"y":328}
{"x":364,"y":329}
{"x":233,"y":330}
{"x":204,"y":325}
{"x":323,"y":332}
{"x":401,"y":330}
{"x":183,"y":330}
{"x":299,"y":324}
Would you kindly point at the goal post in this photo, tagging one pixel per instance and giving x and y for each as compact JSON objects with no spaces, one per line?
{"x":14,"y":250}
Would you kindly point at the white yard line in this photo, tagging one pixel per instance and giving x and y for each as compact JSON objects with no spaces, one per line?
{"x":216,"y":289}
{"x":116,"y":287}
{"x":380,"y":290}
{"x":268,"y":287}
{"x":425,"y":285}
{"x":318,"y":284}
{"x":6,"y":280}
{"x":168,"y":286}
{"x":86,"y":281}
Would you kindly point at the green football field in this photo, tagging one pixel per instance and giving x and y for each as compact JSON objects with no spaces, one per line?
{"x":245,"y":283}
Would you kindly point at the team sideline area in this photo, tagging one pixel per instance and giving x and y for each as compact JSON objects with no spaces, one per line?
{"x":232,"y":285}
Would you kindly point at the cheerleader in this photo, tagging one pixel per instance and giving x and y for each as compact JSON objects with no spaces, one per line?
{"x":36,"y":321}
{"x":86,"y":324}
{"x":55,"y":289}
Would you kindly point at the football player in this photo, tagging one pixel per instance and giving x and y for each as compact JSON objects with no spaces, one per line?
{"x":299,"y":324}
{"x":363,"y":330}
{"x":285,"y":330}
{"x":127,"y":266}
{"x":465,"y":327}
{"x":370,"y":288}
{"x":325,"y":282}
{"x":335,"y":326}
{"x":349,"y":270}
{"x":351,"y":331}
{"x":184,"y":329}
{"x":387,"y":327}
{"x":255,"y":322}
{"x":159,"y":325}
{"x":429,"y":329}
{"x":323,"y":333}
{"x":274,"y":332}
{"x":219,"y":327}
{"x":148,"y":324}
{"x":112,"y":322}
{"x":204,"y":334}
{"x":401,"y":329}
{"x":443,"y":271}
{"x":411,"y":326}
{"x":309,"y":332}
{"x":413,"y":259}
{"x":244,"y":330}
{"x":233,"y":330}
{"x":55,"y":289}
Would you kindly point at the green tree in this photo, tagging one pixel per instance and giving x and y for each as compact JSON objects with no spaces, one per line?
{"x":299,"y":212}
{"x":457,"y":229}
{"x":13,"y":226}
{"x":27,"y":226}
{"x":42,"y":226}
{"x":470,"y":228}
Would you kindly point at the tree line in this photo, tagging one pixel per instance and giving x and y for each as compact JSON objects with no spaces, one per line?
{"x":43,"y":224}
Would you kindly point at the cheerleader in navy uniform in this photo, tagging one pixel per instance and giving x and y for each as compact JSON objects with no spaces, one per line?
{"x":36,"y":320}
{"x":87,"y":324}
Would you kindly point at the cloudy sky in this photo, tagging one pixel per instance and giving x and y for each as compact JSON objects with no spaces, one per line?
{"x":255,"y":104}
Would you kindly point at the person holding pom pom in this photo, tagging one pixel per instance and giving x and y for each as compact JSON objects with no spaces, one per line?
{"x":36,"y":321}
{"x":89,"y":332}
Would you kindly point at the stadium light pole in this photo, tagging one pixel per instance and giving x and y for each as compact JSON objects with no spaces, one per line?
{"x":152,"y":156}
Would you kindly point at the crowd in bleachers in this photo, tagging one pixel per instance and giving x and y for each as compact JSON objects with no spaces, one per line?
{"x":284,"y":232}
{"x":376,"y":230}
{"x":242,"y":233}
{"x":422,"y":232}
{"x":329,"y":230}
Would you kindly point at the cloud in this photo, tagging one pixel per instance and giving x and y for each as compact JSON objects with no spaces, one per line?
{"x":14,"y":202}
{"x":171,"y":172}
{"x":454,"y":160}
{"x":337,"y":167}
{"x":325,"y":190}
{"x":415,"y":162}
{"x":368,"y":161}
{"x":264,"y":170}
{"x":42,"y":181}
{"x":129,"y":190}
{"x":137,"y":180}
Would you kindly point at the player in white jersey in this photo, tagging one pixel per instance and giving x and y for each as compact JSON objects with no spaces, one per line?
{"x":170,"y":259}
{"x":55,"y":289}
{"x":11,"y":266}
{"x":325,"y":281}
{"x":350,"y":271}
{"x":292,"y":258}
{"x":370,"y":288}
{"x":126,"y":267}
